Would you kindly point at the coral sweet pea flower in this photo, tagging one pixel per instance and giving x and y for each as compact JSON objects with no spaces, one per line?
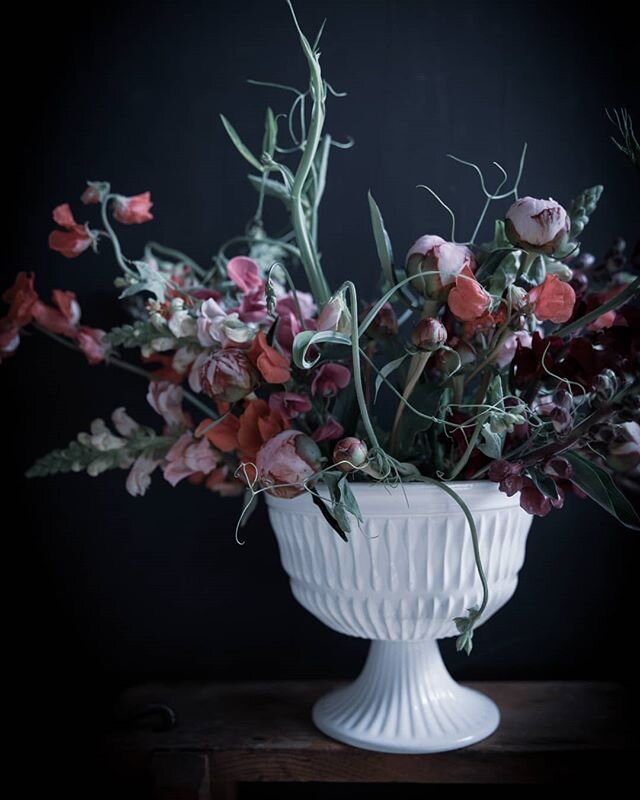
{"x":133,"y":210}
{"x":75,"y":239}
{"x":21,"y":297}
{"x":553,"y":300}
{"x":467,"y":300}
{"x":272,"y":365}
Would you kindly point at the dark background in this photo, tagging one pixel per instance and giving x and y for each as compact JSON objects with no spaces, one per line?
{"x":112,"y":589}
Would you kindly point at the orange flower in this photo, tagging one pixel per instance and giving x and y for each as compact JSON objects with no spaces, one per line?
{"x":258,"y":424}
{"x":272,"y":365}
{"x":223,"y":435}
{"x":553,"y":300}
{"x":468,"y":300}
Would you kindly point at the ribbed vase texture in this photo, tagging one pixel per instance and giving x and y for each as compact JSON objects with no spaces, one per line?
{"x":400,"y":580}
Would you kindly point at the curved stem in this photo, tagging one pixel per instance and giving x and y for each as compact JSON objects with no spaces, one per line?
{"x":171,"y":252}
{"x":112,"y":235}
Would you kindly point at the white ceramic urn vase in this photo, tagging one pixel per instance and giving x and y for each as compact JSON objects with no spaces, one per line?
{"x":399,"y":581}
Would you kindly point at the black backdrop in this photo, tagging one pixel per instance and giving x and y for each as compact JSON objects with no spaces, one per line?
{"x":113,"y":589}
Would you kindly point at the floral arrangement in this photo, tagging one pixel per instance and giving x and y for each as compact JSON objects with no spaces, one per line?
{"x":515,"y":360}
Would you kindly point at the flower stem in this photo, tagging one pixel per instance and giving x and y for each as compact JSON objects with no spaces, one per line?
{"x":112,"y":235}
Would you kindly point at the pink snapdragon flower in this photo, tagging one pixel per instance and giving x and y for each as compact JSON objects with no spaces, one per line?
{"x":329,"y":379}
{"x":537,"y":224}
{"x":189,"y":456}
{"x":139,"y":477}
{"x":166,"y":400}
{"x":133,"y":210}
{"x":291,"y":457}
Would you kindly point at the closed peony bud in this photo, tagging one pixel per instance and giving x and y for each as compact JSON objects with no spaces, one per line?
{"x":226,"y":376}
{"x":537,"y":224}
{"x":286,"y":461}
{"x":435,"y":264}
{"x":350,"y":453}
{"x":429,"y":334}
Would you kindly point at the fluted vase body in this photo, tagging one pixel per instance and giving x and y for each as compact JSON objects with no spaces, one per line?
{"x":399,"y":581}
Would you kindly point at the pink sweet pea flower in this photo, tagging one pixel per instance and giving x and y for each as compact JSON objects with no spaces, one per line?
{"x":94,"y":193}
{"x":289,"y":458}
{"x":166,"y":399}
{"x":253,"y":306}
{"x":75,"y":239}
{"x":21,"y":297}
{"x":467,"y":300}
{"x":9,"y":338}
{"x":68,"y":305}
{"x":53,"y":320}
{"x":553,"y":300}
{"x":91,"y":342}
{"x":329,"y":379}
{"x":133,"y":210}
{"x":286,"y":304}
{"x":189,"y":456}
{"x":605,"y":320}
{"x":244,"y":272}
{"x":328,"y":431}
{"x":290,"y":404}
{"x":287,"y":329}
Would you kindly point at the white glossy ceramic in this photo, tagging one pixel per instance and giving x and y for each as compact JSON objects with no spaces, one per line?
{"x":400,"y":580}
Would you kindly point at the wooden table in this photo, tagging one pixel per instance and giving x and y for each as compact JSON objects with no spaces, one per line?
{"x":225,"y":734}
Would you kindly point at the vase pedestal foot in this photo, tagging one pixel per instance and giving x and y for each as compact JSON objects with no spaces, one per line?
{"x":405,"y":701}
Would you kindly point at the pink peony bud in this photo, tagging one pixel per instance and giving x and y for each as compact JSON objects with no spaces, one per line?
{"x":288,"y":458}
{"x":133,"y":210}
{"x":435,"y":264}
{"x":537,"y":224}
{"x":350,"y":454}
{"x":429,"y":334}
{"x":225,"y":376}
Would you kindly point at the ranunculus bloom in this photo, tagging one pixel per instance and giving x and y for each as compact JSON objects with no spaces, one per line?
{"x":75,"y":239}
{"x":9,"y":338}
{"x":446,"y":260}
{"x":245,"y":273}
{"x":21,"y":298}
{"x":329,"y":379}
{"x":467,"y":300}
{"x":553,"y":300}
{"x":537,"y":224}
{"x":289,"y":458}
{"x":166,"y":399}
{"x":328,"y":431}
{"x":133,"y":210}
{"x":272,"y":365}
{"x":290,"y":404}
{"x":91,"y":342}
{"x":226,"y":375}
{"x":189,"y":456}
{"x":139,"y":477}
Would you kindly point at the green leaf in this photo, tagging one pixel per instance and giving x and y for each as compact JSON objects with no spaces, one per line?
{"x":490,"y":443}
{"x":331,"y":520}
{"x":383,"y":243}
{"x":535,"y":273}
{"x":385,"y":371}
{"x":305,"y":340}
{"x":149,"y":280}
{"x":272,"y":188}
{"x":270,"y":134}
{"x":240,"y":145}
{"x":348,"y":499}
{"x":505,"y":273}
{"x":599,"y":486}
{"x":544,"y":483}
